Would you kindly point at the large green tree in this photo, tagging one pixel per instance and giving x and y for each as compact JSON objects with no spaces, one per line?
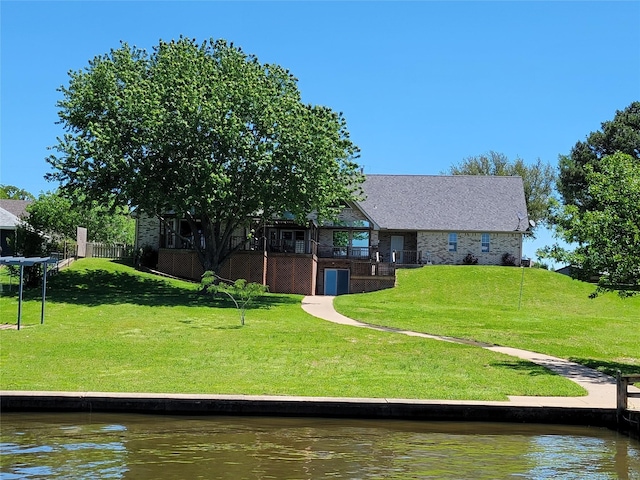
{"x":538,"y":179}
{"x":56,"y":216}
{"x":10,"y":192}
{"x":622,"y":134}
{"x":204,"y":131}
{"x":607,"y":230}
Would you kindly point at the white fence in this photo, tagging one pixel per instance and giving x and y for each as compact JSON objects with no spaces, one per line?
{"x":104,"y":250}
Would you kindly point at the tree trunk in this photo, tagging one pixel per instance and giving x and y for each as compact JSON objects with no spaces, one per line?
{"x":217,"y":248}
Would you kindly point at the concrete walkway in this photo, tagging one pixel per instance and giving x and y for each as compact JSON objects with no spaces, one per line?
{"x":601,"y":388}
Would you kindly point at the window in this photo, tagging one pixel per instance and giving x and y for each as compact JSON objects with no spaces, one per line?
{"x":340,"y":238}
{"x":360,"y":239}
{"x":340,"y":243}
{"x":360,"y":244}
{"x":293,"y":241}
{"x":453,"y":242}
{"x":351,"y":243}
{"x":300,"y":241}
{"x":485,"y":242}
{"x":360,"y":224}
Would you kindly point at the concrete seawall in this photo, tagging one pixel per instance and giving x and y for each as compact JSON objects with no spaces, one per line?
{"x":187,"y":404}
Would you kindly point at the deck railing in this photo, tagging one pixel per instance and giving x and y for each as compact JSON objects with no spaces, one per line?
{"x":303,"y":247}
{"x":372,"y":269}
{"x":257,"y":244}
{"x":623,"y":383}
{"x":406,"y":257}
{"x":351,"y":253}
{"x":306,"y":247}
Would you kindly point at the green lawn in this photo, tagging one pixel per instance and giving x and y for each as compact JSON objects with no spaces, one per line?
{"x":556,"y":315}
{"x":111,"y":328}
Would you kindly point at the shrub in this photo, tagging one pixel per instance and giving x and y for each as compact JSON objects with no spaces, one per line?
{"x":508,"y":260}
{"x":470,"y":259}
{"x":541,"y":265}
{"x":147,"y":257}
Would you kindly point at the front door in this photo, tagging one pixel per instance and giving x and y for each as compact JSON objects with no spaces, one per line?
{"x":336,"y":281}
{"x":397,"y":245}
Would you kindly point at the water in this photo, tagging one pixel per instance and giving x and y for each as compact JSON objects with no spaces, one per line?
{"x":116,"y":446}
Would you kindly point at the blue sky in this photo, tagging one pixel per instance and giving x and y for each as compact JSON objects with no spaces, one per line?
{"x":423,"y":85}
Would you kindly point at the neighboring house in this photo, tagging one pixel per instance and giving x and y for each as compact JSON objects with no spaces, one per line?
{"x":574,"y":271}
{"x":566,"y":270}
{"x":405,"y":221}
{"x":10,"y":213}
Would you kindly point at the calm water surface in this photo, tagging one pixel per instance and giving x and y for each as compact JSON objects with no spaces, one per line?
{"x":97,"y":446}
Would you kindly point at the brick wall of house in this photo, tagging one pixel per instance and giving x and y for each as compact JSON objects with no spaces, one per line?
{"x":325,"y":237}
{"x":148,"y":232}
{"x":374,"y":240}
{"x":435,"y":246}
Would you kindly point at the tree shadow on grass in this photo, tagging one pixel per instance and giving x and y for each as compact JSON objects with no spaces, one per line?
{"x":607,"y":367}
{"x":102,"y":287}
{"x":602,"y":366}
{"x":532,"y":369}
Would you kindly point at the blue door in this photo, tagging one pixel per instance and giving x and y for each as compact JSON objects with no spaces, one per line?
{"x":336,"y":281}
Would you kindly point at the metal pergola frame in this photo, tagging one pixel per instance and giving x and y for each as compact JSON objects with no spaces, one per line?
{"x":29,"y":262}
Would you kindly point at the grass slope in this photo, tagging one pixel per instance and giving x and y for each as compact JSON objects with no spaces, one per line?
{"x":111,"y":328}
{"x":556,"y":315}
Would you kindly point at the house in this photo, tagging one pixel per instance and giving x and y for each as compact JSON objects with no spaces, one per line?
{"x":10,"y":213}
{"x":405,"y":221}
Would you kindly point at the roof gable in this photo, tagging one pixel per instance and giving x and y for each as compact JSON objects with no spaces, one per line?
{"x":8,"y":221}
{"x":450,"y":203}
{"x":17,"y":208}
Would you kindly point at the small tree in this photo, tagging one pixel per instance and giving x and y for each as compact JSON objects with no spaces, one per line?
{"x":241,"y":292}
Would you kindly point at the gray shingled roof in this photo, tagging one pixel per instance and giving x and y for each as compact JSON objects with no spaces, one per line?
{"x":16,"y":207}
{"x":8,"y":220}
{"x":10,"y":212}
{"x":450,"y":203}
